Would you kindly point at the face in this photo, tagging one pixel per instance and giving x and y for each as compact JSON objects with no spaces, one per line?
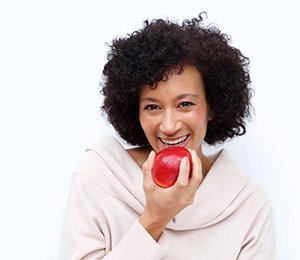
{"x":176,"y":112}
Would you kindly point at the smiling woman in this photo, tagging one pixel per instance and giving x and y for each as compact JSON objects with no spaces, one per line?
{"x":175,"y":112}
{"x":170,"y":85}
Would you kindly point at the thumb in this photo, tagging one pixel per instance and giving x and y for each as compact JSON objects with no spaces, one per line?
{"x":147,"y":168}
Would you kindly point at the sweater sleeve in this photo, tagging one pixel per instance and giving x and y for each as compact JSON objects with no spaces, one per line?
{"x":83,"y":236}
{"x":260,"y":240}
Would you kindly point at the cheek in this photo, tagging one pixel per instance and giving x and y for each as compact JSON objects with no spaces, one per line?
{"x":145,"y":122}
{"x":198,"y":115}
{"x":142,"y":119}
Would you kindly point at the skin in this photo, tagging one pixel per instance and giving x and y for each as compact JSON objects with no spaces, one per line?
{"x":172,"y":111}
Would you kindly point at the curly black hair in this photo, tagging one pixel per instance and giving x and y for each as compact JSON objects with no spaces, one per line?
{"x":147,"y":56}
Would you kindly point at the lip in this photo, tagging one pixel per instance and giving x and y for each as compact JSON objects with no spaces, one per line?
{"x":181,"y":144}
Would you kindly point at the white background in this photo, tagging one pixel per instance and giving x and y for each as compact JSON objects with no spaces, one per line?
{"x":51,"y":57}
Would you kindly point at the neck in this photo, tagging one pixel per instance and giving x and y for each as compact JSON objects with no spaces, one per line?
{"x":207,"y":163}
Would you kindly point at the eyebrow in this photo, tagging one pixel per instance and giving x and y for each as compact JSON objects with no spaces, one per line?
{"x":182,"y":96}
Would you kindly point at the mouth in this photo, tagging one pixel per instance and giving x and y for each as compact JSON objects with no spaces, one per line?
{"x":174,"y":142}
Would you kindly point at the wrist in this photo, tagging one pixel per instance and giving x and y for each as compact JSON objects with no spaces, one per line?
{"x":154,"y":227}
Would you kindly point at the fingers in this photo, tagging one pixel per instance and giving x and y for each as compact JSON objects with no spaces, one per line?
{"x":183,"y":183}
{"x":147,"y":169}
{"x":183,"y":177}
{"x":188,"y":187}
{"x":184,"y":169}
{"x":197,"y":175}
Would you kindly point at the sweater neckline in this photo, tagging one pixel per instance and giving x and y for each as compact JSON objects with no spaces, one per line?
{"x":219,"y":194}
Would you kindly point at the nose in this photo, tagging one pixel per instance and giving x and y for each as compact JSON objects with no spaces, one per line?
{"x":170,"y":124}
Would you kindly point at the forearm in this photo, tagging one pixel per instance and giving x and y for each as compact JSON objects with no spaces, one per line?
{"x":154,"y":228}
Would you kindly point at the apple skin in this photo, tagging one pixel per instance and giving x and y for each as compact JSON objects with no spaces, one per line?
{"x":166,"y":165}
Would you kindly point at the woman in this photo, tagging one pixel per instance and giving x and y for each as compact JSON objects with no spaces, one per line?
{"x":169,"y":85}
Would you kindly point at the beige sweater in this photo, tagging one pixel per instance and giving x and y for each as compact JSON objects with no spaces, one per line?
{"x":231,"y":217}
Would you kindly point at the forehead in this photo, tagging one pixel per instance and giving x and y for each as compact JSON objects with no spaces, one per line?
{"x":189,"y":81}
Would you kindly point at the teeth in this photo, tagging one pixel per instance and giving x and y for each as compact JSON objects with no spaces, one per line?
{"x":176,"y":141}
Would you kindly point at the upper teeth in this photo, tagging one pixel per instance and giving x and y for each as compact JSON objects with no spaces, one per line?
{"x":176,"y":141}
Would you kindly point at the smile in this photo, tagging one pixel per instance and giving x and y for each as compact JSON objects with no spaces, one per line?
{"x":175,"y":141}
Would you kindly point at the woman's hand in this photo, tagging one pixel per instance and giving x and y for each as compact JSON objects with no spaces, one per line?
{"x":163,"y":204}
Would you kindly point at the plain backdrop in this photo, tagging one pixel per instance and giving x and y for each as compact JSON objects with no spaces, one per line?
{"x":51,"y":58}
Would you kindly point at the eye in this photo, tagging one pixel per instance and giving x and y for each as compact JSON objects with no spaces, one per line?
{"x":186,"y":104}
{"x":151,"y":107}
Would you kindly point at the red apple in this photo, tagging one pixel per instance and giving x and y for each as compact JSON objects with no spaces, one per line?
{"x":166,"y":165}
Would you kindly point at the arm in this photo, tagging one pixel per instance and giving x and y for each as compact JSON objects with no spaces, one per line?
{"x":260,"y":241}
{"x":164,"y":204}
{"x":83,"y":236}
{"x":84,"y":233}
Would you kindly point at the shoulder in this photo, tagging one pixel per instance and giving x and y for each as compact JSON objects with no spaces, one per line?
{"x":110,"y":168}
{"x":139,"y":154}
{"x":101,"y":157}
{"x":234,"y":184}
{"x":107,"y":145}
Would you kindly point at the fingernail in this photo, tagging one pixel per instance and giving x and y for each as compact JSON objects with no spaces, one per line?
{"x":185,"y":160}
{"x":151,"y":154}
